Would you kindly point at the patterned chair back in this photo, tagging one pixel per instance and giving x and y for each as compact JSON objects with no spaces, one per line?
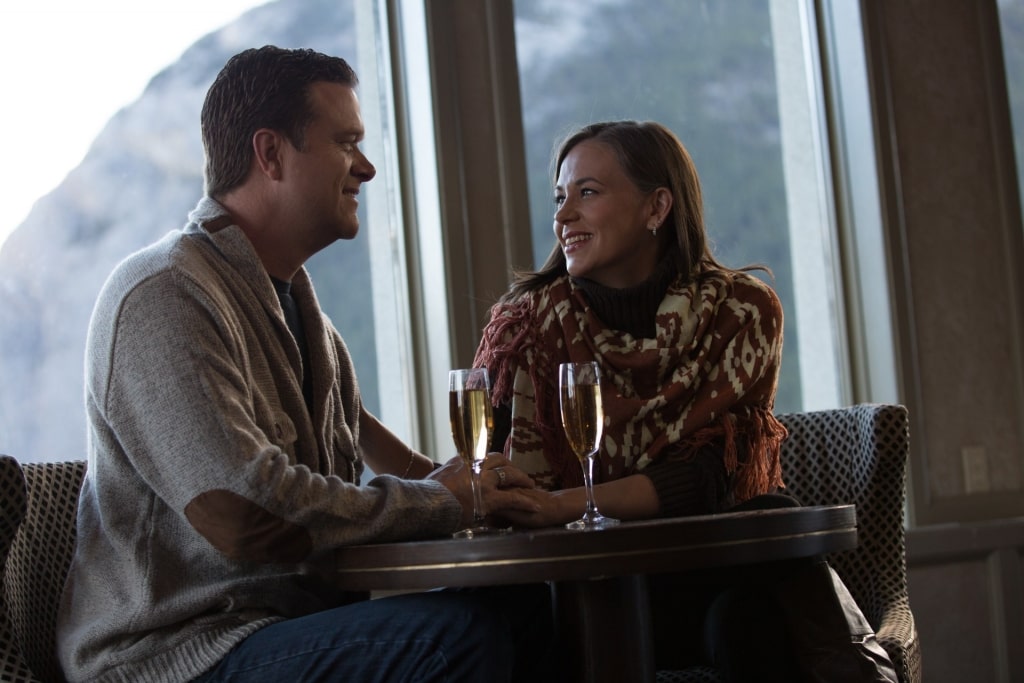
{"x":13,"y":499}
{"x":37,"y":564}
{"x":859,"y":455}
{"x":855,"y":455}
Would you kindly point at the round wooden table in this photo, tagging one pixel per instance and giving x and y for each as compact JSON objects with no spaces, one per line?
{"x":597,"y":577}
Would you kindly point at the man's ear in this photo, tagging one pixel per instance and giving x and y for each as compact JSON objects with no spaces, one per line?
{"x":267,"y":146}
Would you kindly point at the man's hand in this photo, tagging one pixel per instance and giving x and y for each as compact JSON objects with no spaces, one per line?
{"x":503,"y":487}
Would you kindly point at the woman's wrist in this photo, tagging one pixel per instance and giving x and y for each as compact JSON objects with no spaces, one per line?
{"x":632,"y":497}
{"x":570,"y":504}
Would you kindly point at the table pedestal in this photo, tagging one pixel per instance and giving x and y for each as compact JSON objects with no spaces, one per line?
{"x":604,"y":630}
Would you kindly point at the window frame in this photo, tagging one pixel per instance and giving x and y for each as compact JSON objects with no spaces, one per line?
{"x":461,"y":96}
{"x":472,"y":50}
{"x":481,"y":181}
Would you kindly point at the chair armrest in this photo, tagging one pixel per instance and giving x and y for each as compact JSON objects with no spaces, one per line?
{"x":897,"y":634}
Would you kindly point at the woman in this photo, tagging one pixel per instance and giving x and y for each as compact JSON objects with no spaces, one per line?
{"x":689,"y":350}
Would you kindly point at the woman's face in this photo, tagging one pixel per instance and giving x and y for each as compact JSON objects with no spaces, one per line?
{"x":603,"y":221}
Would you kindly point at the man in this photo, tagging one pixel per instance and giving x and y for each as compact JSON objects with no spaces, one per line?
{"x":227,"y":436}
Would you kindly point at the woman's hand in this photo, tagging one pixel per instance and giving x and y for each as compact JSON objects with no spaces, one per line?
{"x":551,"y":508}
{"x":632,"y":497}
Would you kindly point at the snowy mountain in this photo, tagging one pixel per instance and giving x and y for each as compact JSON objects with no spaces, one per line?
{"x":138,"y":181}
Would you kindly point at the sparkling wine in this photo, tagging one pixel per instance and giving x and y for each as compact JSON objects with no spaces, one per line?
{"x":579,"y":386}
{"x":472,"y":421}
{"x":582,"y":417}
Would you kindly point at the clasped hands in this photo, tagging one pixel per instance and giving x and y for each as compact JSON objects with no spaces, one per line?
{"x":508,"y":493}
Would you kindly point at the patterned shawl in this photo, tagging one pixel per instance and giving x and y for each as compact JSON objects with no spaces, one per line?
{"x":709,"y":376}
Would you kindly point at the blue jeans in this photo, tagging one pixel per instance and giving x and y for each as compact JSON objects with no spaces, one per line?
{"x":488,"y":634}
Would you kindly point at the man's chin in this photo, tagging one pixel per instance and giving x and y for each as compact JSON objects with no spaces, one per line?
{"x":348,"y":231}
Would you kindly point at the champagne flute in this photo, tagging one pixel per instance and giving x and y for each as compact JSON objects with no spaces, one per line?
{"x":579,"y":386}
{"x":472,"y":421}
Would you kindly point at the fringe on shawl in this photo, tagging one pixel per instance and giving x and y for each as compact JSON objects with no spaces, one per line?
{"x":503,"y":351}
{"x":762,"y":435}
{"x":501,"y":348}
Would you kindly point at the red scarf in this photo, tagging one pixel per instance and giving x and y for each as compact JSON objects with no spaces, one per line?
{"x":709,"y":376}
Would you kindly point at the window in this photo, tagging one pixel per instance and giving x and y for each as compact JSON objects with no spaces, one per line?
{"x":1011,"y":21}
{"x":140,"y":177}
{"x":738,"y":82}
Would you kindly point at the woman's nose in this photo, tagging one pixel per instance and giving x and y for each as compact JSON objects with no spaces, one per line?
{"x":565,"y":212}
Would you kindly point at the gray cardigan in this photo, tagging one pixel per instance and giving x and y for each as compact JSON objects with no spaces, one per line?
{"x":213,"y":498}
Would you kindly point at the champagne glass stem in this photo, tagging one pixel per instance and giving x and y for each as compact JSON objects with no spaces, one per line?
{"x":478,"y":503}
{"x":588,"y":481}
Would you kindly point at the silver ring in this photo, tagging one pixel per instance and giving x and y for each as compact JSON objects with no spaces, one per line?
{"x":501,"y":476}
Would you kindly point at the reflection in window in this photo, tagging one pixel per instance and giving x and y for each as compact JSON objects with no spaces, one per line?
{"x":712,"y":72}
{"x":138,"y":181}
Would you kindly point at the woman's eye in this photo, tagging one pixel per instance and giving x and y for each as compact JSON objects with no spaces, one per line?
{"x":559,"y":200}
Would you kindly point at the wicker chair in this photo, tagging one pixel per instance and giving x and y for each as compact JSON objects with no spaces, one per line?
{"x":12,"y":511}
{"x":40,"y":553}
{"x":856,"y":455}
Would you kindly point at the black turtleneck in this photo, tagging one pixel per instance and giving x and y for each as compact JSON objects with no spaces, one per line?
{"x":632,"y":310}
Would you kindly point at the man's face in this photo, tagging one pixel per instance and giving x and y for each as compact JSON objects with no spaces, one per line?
{"x":326,"y":174}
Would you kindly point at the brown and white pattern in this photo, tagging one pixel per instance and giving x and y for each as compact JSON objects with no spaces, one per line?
{"x":709,"y":376}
